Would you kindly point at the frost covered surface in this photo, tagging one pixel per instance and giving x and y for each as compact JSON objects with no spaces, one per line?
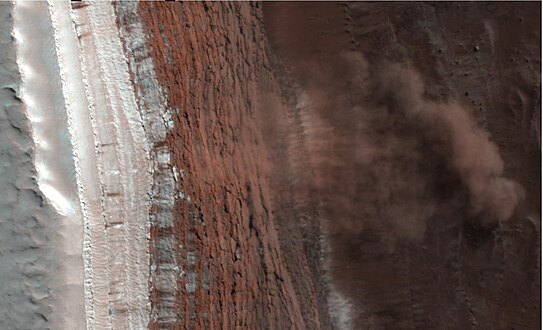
{"x":123,"y":168}
{"x":28,"y":226}
{"x":158,"y":122}
{"x":85,"y":220}
{"x":43,"y":102}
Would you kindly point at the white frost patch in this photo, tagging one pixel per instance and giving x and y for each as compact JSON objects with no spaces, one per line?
{"x":163,"y":157}
{"x":63,"y":205}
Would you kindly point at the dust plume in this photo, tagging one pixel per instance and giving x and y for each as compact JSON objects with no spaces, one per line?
{"x":469,"y":148}
{"x":384,"y":156}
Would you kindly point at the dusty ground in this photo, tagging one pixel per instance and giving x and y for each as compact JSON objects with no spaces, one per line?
{"x":271,"y":143}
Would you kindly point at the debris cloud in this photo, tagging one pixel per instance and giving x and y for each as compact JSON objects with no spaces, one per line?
{"x":387,"y":155}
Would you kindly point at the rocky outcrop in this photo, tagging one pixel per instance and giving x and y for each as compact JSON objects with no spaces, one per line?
{"x":241,"y":262}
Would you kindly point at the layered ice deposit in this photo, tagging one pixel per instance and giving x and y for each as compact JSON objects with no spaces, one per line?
{"x":157,"y":120}
{"x":92,"y":163}
{"x":123,"y":168}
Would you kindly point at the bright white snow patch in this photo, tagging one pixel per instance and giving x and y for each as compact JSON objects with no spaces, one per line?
{"x":63,"y":205}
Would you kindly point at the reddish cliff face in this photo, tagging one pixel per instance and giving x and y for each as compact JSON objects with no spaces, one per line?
{"x":362,"y":123}
{"x":241,"y":260}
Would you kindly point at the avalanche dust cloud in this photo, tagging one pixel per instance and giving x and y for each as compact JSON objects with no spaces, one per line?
{"x":389,"y":154}
{"x":384,"y":159}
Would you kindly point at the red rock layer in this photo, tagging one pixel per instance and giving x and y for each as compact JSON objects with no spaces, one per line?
{"x":242,"y":259}
{"x":246,"y":235}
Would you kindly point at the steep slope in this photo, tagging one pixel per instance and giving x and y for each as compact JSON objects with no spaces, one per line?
{"x":239,"y":262}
